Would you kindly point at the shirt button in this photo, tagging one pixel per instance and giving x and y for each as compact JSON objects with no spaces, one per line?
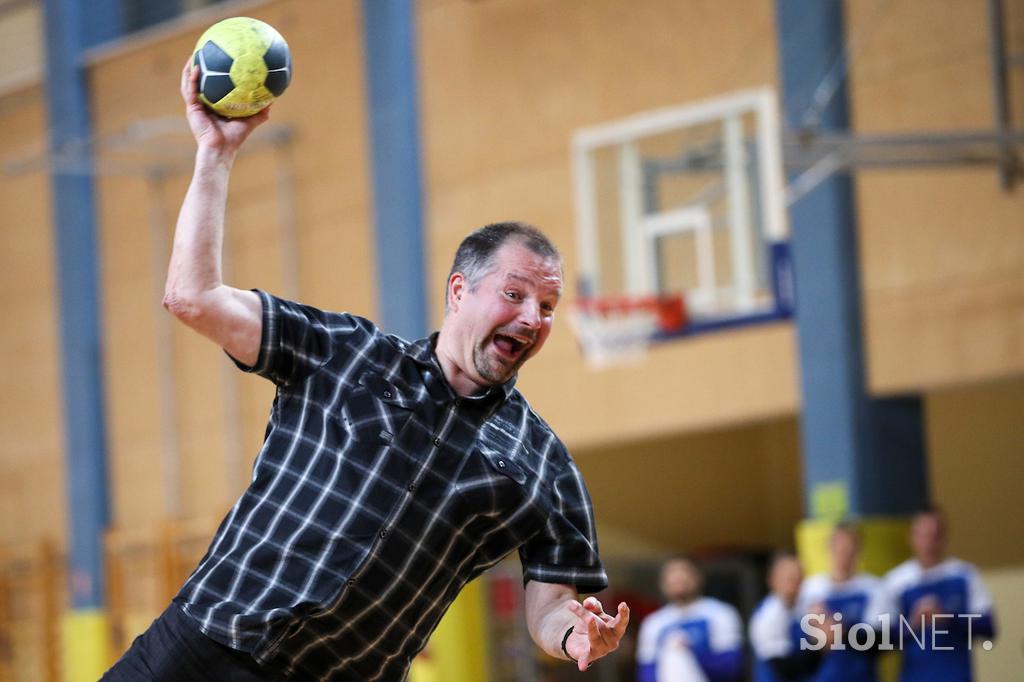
{"x":350,"y":582}
{"x":383,"y":533}
{"x":501,"y":464}
{"x":411,"y":487}
{"x":437,"y":442}
{"x":387,"y":394}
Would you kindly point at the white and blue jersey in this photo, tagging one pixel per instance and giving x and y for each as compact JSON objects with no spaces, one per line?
{"x":966,"y":608}
{"x":712,"y":643}
{"x":861,"y":599}
{"x":775,"y":636}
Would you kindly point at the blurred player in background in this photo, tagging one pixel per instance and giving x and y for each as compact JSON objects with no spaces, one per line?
{"x":392,"y":472}
{"x":775,"y":631}
{"x":692,"y":638}
{"x":943,"y":600}
{"x":845,"y":598}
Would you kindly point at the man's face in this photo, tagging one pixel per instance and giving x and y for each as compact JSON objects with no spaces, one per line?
{"x":785,"y":578}
{"x":843,"y":547}
{"x":928,"y":537}
{"x":504,"y":317}
{"x":680,"y":581}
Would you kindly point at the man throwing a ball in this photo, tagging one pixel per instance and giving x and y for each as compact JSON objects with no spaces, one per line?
{"x":392,"y":472}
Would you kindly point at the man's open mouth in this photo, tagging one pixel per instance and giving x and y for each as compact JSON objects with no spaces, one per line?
{"x":509,"y":346}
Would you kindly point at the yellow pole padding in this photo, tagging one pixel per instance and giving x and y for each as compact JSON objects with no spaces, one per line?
{"x":812,"y":544}
{"x":457,"y":651}
{"x":85,"y":645}
{"x":884,"y":543}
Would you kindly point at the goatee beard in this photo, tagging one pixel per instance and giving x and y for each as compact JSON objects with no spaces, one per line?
{"x":492,"y":370}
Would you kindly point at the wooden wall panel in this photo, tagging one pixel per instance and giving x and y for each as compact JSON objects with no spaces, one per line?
{"x":738,"y":487}
{"x":942,"y":250}
{"x":21,"y":44}
{"x":974,"y":443}
{"x":1005,"y":660}
{"x":504,"y":85}
{"x":943,"y":280}
{"x":31,"y":410}
{"x":138,"y":83}
{"x":130,"y":310}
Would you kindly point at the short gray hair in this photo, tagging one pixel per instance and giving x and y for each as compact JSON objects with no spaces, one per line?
{"x":475,"y":254}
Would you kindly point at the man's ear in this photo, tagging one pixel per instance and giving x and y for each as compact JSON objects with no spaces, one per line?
{"x":456,"y":288}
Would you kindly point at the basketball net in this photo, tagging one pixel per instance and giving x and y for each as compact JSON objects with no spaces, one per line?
{"x":614,"y":330}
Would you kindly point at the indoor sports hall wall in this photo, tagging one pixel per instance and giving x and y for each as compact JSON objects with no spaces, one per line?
{"x":975,"y":437}
{"x":32,"y":456}
{"x":32,"y":499}
{"x":975,"y":434}
{"x":722,"y":490}
{"x":942,"y":250}
{"x":21,"y":46}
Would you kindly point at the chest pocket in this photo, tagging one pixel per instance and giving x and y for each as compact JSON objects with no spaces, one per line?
{"x":377,"y":410}
{"x":496,"y":485}
{"x":503,"y":465}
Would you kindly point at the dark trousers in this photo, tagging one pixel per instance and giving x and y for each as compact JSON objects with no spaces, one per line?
{"x":173,"y":649}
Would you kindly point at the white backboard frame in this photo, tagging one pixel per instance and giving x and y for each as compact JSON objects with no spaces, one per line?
{"x":639,"y":230}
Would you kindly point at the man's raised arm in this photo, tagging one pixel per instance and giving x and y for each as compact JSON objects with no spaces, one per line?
{"x":195,"y":292}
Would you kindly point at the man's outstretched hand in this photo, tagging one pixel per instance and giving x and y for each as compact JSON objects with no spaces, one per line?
{"x":596,"y":633}
{"x":213,"y":132}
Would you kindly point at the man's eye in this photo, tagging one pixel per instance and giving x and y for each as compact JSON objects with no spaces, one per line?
{"x":514,"y":295}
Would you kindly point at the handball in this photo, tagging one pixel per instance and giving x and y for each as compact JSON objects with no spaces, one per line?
{"x":244,"y":65}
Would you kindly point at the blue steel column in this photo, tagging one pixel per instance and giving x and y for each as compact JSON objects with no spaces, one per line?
{"x":869,"y":453}
{"x":390,"y":60}
{"x":71,"y":27}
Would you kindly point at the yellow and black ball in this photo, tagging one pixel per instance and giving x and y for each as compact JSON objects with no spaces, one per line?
{"x":244,"y":65}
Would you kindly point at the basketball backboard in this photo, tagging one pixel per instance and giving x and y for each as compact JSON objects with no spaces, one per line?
{"x":687,"y":200}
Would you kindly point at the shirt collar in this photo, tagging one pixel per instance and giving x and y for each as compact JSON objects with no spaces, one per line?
{"x":422,"y":352}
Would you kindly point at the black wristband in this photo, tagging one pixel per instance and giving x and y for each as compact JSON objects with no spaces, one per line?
{"x":565,"y":638}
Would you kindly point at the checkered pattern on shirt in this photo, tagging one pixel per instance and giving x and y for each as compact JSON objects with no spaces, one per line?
{"x":378,"y":494}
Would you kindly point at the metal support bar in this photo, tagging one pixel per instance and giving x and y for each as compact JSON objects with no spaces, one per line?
{"x":134,"y":151}
{"x":816,"y":157}
{"x":865,"y":151}
{"x":1009,"y":167}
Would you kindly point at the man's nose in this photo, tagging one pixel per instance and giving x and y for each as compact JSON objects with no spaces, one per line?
{"x":529,"y":314}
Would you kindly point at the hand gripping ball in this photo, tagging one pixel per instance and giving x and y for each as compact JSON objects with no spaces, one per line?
{"x":244,"y":64}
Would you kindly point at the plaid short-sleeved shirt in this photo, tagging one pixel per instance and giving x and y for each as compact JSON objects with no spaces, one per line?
{"x":378,"y":494}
